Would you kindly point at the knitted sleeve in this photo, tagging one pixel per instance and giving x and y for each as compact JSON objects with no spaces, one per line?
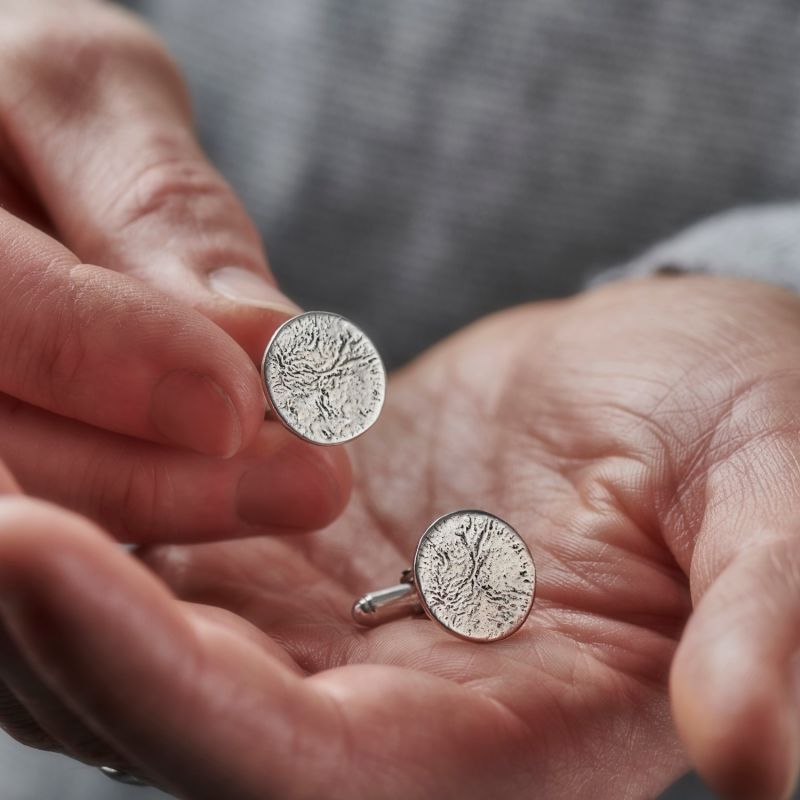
{"x":759,"y":242}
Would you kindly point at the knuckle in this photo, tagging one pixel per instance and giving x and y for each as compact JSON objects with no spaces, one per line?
{"x":140,"y":499}
{"x":129,"y":502}
{"x":67,"y":55}
{"x":81,"y":38}
{"x":63,"y":353}
{"x":173,"y":186}
{"x":61,"y":361}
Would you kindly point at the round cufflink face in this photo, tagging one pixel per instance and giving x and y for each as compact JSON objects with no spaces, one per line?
{"x":324,"y":378}
{"x":475,"y":575}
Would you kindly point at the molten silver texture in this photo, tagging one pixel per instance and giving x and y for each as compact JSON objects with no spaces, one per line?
{"x":472,"y":573}
{"x":475,"y":575}
{"x":324,"y":378}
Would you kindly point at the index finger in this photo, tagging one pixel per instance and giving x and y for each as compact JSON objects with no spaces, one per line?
{"x":97,"y":117}
{"x":104,"y":348}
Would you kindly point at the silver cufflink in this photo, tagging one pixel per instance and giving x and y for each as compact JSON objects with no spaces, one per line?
{"x":323,"y":378}
{"x":122,"y":777}
{"x":472,"y":573}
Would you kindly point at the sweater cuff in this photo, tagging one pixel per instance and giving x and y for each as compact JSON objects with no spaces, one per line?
{"x":759,"y":242}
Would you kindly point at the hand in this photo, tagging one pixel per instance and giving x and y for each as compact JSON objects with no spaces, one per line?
{"x":108,"y":389}
{"x":642,"y":438}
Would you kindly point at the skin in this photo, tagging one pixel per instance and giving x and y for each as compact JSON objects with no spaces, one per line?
{"x":650,"y":464}
{"x":642,"y":438}
{"x":123,"y":365}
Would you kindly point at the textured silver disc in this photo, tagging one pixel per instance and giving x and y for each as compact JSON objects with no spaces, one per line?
{"x":475,"y":575}
{"x":324,"y":378}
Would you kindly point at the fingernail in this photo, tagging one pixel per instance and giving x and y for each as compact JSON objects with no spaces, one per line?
{"x":249,"y":288}
{"x":193,"y":411}
{"x":291,"y":490}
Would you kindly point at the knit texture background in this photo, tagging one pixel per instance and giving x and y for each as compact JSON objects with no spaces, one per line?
{"x":417,"y":164}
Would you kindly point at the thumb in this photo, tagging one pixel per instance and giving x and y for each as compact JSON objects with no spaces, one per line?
{"x":105,"y":135}
{"x":736,"y":676}
{"x":735,"y":681}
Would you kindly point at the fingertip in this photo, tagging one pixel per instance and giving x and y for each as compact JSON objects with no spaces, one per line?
{"x":39,"y":544}
{"x":300,"y":487}
{"x":250,"y":326}
{"x":192,"y":410}
{"x":239,"y":382}
{"x":249,"y":319}
{"x":28,"y":524}
{"x":50,"y":551}
{"x":62,"y":576}
{"x":738,"y":721}
{"x":243,"y":302}
{"x":335,"y":462}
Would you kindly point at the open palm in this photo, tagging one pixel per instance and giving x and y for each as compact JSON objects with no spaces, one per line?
{"x":629,"y":444}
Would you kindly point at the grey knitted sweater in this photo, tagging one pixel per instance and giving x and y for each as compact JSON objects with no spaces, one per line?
{"x":416,"y":164}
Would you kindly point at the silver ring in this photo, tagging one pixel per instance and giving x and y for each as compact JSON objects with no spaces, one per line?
{"x":472,"y":573}
{"x":323,"y":378}
{"x":122,"y":777}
